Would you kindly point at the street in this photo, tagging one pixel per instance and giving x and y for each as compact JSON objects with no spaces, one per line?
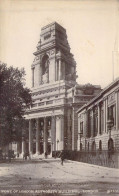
{"x":49,"y":177}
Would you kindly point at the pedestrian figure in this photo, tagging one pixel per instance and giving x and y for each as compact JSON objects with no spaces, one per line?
{"x":24,"y":156}
{"x":45,"y":155}
{"x":29,"y":155}
{"x":9,"y":156}
{"x":62,"y":156}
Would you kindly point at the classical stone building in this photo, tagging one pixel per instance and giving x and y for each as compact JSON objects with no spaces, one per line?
{"x":53,"y":121}
{"x":98,"y":121}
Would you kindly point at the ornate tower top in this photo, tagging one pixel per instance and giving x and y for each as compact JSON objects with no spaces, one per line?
{"x":52,"y":35}
{"x":53,"y":61}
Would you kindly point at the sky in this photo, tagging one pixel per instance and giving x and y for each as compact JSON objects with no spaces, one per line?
{"x":91,"y":26}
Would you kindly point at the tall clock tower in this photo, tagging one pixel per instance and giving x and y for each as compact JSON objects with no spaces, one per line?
{"x":53,"y":121}
{"x":53,"y":61}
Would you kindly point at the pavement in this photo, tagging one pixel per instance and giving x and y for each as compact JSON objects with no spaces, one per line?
{"x":49,"y":175}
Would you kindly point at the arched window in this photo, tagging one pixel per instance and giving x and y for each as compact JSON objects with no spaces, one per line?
{"x":45,"y":69}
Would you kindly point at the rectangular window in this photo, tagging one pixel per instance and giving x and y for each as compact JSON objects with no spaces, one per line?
{"x":95,"y":121}
{"x":112,"y":114}
{"x":81,"y":127}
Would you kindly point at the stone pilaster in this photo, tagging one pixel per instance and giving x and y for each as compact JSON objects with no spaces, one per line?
{"x":59,"y":134}
{"x":53,"y":133}
{"x":106,"y":115}
{"x":32,"y":76}
{"x":45,"y":135}
{"x":56,"y":71}
{"x":40,"y":73}
{"x":92,"y":123}
{"x":60,"y":65}
{"x":62,"y":133}
{"x":23,"y":146}
{"x":117,"y":109}
{"x":104,"y":101}
{"x":99,"y":127}
{"x":30,"y":137}
{"x":37,"y":136}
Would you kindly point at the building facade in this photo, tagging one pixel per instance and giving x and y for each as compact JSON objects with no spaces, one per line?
{"x":98,"y":121}
{"x":53,"y":121}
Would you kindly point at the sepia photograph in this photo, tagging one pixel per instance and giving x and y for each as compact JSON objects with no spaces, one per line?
{"x":59,"y":97}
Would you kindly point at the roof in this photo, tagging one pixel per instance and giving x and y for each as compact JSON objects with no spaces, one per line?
{"x":106,"y":89}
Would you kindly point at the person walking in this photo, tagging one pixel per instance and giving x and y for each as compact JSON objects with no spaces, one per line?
{"x":46,"y":155}
{"x":9,"y":156}
{"x":62,"y":156}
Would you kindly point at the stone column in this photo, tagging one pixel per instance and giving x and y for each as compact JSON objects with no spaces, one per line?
{"x":45,"y":135}
{"x":56,"y":78}
{"x":40,"y":74}
{"x":23,"y":146}
{"x":58,"y":133}
{"x":37,"y":137}
{"x":62,"y":133}
{"x":32,"y":76}
{"x":30,"y":137}
{"x":53,"y":133}
{"x":79,"y":131}
{"x":63,"y":70}
{"x":92,"y":124}
{"x":84,"y":124}
{"x":60,"y":64}
{"x":117,"y":109}
{"x":104,"y":115}
{"x":99,"y":127}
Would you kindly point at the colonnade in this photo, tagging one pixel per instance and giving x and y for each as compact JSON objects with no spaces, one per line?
{"x":49,"y":131}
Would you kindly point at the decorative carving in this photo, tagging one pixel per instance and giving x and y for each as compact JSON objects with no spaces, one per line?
{"x":88,"y":89}
{"x":52,"y":52}
{"x":45,"y":67}
{"x":111,"y":98}
{"x":47,"y":36}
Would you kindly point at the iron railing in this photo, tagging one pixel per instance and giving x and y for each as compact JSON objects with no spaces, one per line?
{"x":103,"y":157}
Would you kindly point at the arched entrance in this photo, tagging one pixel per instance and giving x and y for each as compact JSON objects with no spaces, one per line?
{"x":93,"y":146}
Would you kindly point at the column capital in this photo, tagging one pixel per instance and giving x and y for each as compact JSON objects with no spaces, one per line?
{"x":53,"y":117}
{"x":60,"y":117}
{"x":104,"y":98}
{"x":117,"y":90}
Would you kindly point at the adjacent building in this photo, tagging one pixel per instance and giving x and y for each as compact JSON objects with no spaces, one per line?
{"x":98,"y":121}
